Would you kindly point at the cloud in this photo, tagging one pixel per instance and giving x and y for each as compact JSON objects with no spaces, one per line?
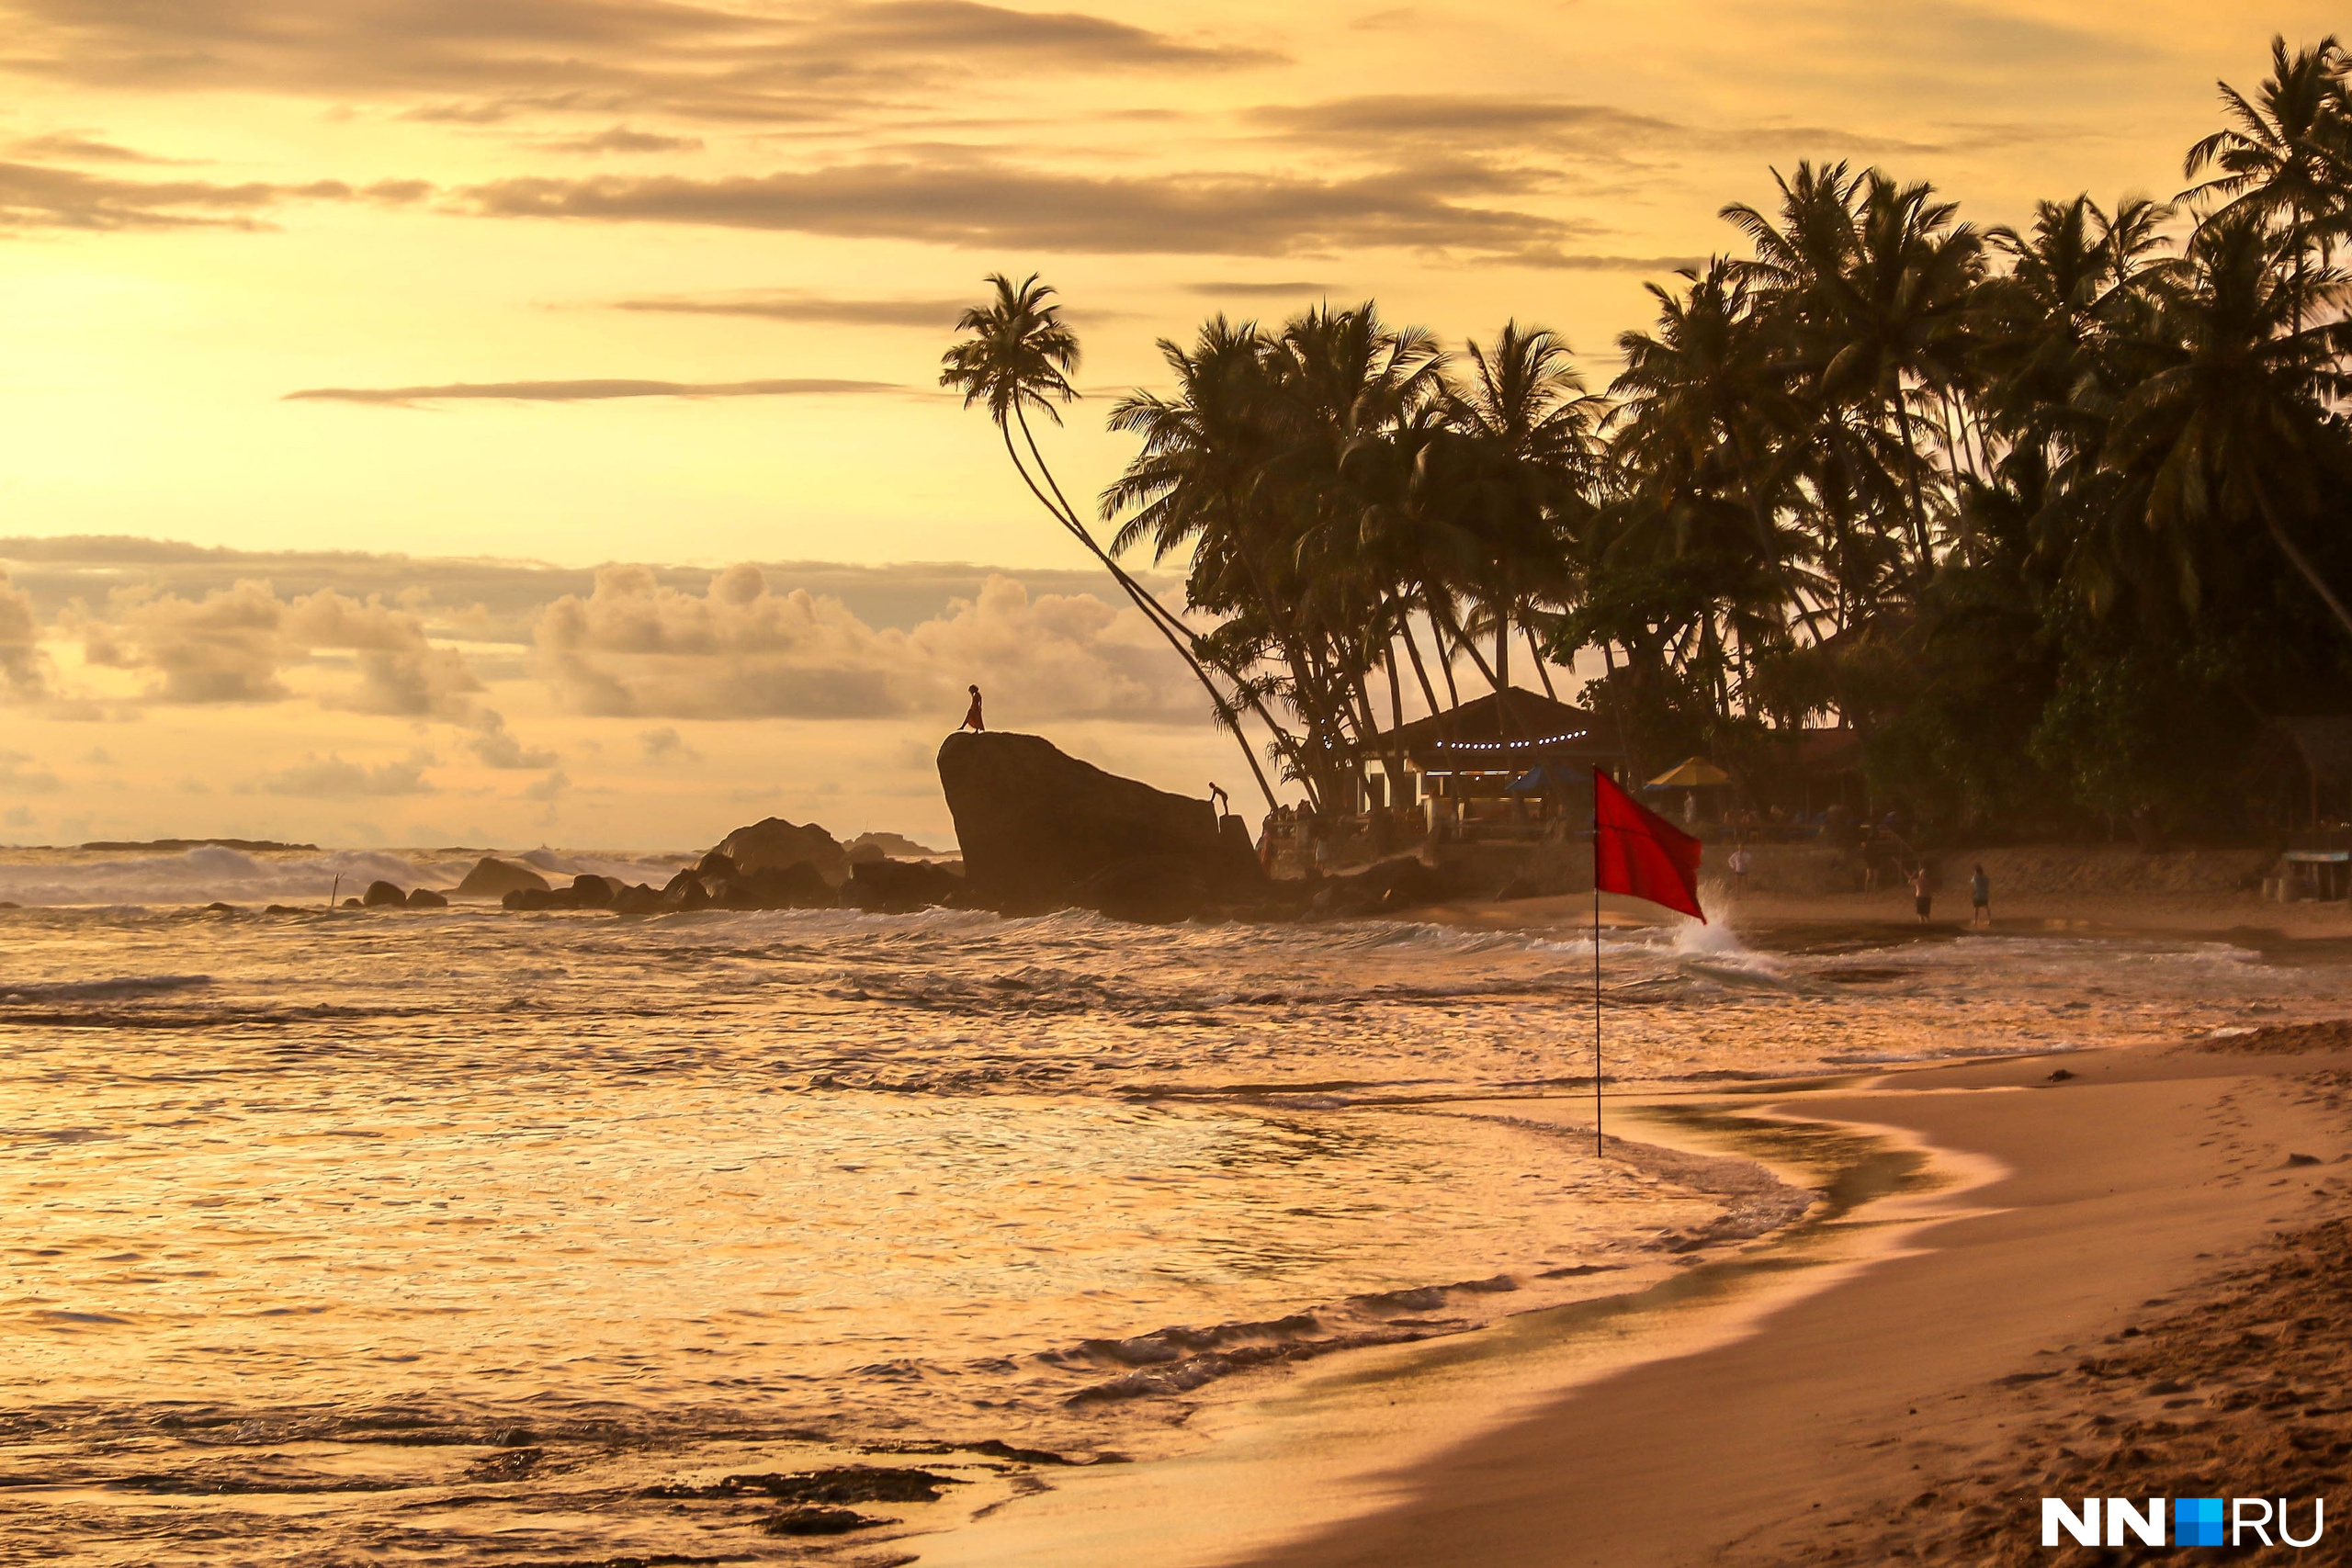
{"x":1484,"y":120}
{"x":1578,"y":261}
{"x":590,"y":391}
{"x":740,"y":649}
{"x":18,"y":777}
{"x":331,"y":778}
{"x":230,"y":645}
{"x":795,"y":305}
{"x":24,"y":668}
{"x":456,"y":598}
{"x":665,"y":744}
{"x":33,"y":196}
{"x":974,"y":202}
{"x":500,"y":58}
{"x":496,"y":747}
{"x":79,"y":149}
{"x":624,"y":139}
{"x":1299,"y":291}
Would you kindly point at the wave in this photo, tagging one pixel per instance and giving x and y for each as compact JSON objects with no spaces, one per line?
{"x":216,"y":873}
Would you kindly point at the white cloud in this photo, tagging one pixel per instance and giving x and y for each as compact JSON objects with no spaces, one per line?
{"x":740,"y":649}
{"x":19,"y":776}
{"x":232,"y":645}
{"x":331,"y":778}
{"x":24,"y":668}
{"x":494,"y":746}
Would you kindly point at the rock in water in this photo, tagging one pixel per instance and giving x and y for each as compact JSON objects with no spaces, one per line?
{"x":1043,"y":830}
{"x":380,"y":894}
{"x":496,"y":878}
{"x":426,"y":899}
{"x":899,"y":887}
{"x":775,"y":843}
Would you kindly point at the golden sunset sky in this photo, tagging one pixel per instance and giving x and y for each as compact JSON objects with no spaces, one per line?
{"x":665,"y":282}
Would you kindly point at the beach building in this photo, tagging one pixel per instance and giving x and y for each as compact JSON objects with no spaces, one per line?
{"x":1484,"y":748}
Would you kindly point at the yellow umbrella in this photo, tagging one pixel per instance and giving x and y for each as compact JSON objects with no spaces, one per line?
{"x":1692,"y":772}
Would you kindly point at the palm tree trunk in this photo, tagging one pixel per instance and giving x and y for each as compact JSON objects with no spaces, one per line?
{"x":1911,"y":483}
{"x":1153,"y":610}
{"x":2302,"y":564}
{"x":1446,"y":659}
{"x":1413,"y":652}
{"x":1535,"y":652}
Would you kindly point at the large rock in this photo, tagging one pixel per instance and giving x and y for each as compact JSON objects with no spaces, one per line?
{"x":1040,"y":830}
{"x":496,"y":878}
{"x":380,"y":894}
{"x":899,"y":887}
{"x":777,"y":844}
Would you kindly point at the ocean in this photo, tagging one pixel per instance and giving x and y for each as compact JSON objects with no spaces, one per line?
{"x":476,"y":1238}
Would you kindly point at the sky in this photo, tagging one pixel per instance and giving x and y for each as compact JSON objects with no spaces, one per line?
{"x":516,"y":420}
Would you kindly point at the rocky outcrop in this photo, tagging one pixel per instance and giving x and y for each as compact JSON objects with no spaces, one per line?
{"x":588,"y":891}
{"x":891,"y":846}
{"x":776,"y":844}
{"x":1042,"y":830}
{"x":380,"y":894}
{"x":496,"y":878}
{"x":426,"y":899}
{"x":900,"y":886}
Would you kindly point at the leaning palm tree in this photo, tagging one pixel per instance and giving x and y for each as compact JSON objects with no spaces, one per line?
{"x":1017,"y":355}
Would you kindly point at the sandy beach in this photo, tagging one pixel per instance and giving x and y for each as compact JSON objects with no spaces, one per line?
{"x":2119,"y":1276}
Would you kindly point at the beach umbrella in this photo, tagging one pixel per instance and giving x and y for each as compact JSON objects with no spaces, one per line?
{"x":1692,"y":772}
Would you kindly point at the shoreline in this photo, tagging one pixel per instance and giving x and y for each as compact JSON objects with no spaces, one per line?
{"x":1762,"y":1425}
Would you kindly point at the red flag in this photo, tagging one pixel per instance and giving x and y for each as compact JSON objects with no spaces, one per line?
{"x":1636,"y":850}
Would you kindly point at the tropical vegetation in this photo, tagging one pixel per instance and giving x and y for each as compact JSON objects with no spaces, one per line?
{"x":2055,"y":517}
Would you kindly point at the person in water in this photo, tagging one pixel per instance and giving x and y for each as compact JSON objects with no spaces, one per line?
{"x":1922,"y":892}
{"x":972,"y":720}
{"x":1980,"y":894}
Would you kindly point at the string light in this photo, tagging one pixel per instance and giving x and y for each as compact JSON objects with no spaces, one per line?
{"x":1506,"y":745}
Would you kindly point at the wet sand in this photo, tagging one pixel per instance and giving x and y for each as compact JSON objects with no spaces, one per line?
{"x":2069,"y":1311}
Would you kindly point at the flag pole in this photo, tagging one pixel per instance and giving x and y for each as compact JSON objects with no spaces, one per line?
{"x":1596,"y":973}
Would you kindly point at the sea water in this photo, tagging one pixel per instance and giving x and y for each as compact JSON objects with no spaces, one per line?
{"x":455,"y":1235}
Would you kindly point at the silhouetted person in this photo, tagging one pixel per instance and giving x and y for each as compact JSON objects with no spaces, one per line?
{"x":1923,"y":892}
{"x":972,"y":720}
{"x":1980,"y":896}
{"x":1220,"y":803}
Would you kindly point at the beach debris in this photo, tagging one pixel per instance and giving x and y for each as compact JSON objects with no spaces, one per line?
{"x":2061,"y":1076}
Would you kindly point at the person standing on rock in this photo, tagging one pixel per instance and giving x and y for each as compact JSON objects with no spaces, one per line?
{"x":972,"y":720}
{"x":1220,"y":803}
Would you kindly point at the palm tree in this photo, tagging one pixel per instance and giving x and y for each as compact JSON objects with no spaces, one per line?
{"x":2287,"y":160}
{"x":1017,"y":355}
{"x":1516,"y":474}
{"x":2229,"y":426}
